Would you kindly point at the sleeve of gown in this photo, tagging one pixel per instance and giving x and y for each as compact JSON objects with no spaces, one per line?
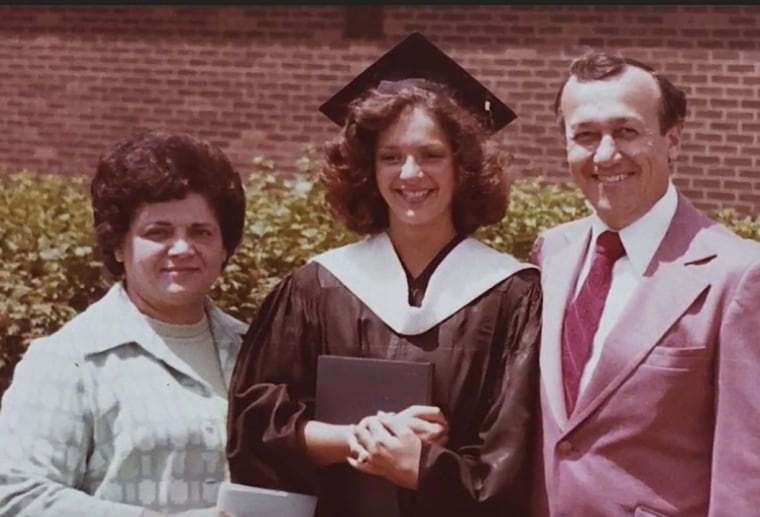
{"x":272,"y":390}
{"x":492,"y":476}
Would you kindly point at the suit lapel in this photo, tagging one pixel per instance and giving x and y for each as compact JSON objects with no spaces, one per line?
{"x":560,"y":271}
{"x":658,"y":305}
{"x":673,"y":280}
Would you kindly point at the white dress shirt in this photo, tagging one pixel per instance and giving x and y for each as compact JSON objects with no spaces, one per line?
{"x":640,"y":240}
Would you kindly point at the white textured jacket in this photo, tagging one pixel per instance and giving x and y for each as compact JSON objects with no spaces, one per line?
{"x":101,"y":419}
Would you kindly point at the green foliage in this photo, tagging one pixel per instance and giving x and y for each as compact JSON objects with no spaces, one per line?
{"x":743,"y":226}
{"x":533,"y":207}
{"x":49,"y":269}
{"x":286,"y":224}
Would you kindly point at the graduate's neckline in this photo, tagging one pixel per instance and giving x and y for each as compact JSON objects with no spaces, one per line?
{"x":418,"y":285}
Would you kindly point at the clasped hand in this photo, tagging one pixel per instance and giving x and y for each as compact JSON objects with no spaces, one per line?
{"x":389,"y":444}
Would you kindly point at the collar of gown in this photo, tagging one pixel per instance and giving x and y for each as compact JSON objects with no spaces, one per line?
{"x":372,"y":271}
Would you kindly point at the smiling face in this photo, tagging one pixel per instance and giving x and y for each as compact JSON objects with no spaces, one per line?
{"x":617,"y":153}
{"x":414,"y":168}
{"x":172,"y":255}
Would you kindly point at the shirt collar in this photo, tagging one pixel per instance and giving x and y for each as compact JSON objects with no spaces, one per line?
{"x":642,"y":237}
{"x":133,"y":326}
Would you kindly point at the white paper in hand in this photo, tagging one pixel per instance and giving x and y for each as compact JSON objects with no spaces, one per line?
{"x":250,"y":501}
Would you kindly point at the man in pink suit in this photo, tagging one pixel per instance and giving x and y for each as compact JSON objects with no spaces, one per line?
{"x":650,"y":360}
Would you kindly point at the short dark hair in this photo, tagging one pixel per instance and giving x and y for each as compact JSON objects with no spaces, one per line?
{"x":597,"y":66}
{"x":156,"y":166}
{"x":348,"y":174}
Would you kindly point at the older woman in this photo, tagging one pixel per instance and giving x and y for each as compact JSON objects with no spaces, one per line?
{"x":122,"y":411}
{"x":411,"y":171}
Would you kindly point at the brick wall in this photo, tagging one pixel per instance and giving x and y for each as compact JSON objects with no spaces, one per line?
{"x":250,"y":78}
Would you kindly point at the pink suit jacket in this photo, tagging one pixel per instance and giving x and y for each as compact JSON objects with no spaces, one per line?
{"x":669,"y":424}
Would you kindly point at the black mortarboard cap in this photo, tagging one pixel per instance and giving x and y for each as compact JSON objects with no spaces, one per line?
{"x":415,"y":57}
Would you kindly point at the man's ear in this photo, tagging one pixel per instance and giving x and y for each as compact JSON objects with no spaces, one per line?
{"x":673,"y":137}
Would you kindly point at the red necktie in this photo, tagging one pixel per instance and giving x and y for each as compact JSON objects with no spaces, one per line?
{"x":582,"y":315}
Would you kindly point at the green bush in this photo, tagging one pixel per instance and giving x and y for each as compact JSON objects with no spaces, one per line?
{"x":744,"y":226}
{"x":49,"y":269}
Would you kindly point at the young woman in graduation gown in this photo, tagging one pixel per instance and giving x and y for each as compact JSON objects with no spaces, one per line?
{"x":411,"y":171}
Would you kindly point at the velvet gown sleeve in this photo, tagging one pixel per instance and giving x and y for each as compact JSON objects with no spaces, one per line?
{"x":272,"y":389}
{"x":490,"y":476}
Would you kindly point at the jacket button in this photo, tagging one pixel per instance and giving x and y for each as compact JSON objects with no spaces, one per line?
{"x":565,"y":447}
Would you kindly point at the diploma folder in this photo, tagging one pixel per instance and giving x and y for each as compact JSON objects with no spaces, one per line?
{"x":350,"y":388}
{"x":249,"y":501}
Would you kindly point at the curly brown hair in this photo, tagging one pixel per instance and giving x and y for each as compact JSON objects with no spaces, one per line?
{"x":156,"y":166}
{"x":348,"y":173}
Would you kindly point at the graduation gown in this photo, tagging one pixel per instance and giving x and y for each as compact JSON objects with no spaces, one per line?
{"x":479,"y":324}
